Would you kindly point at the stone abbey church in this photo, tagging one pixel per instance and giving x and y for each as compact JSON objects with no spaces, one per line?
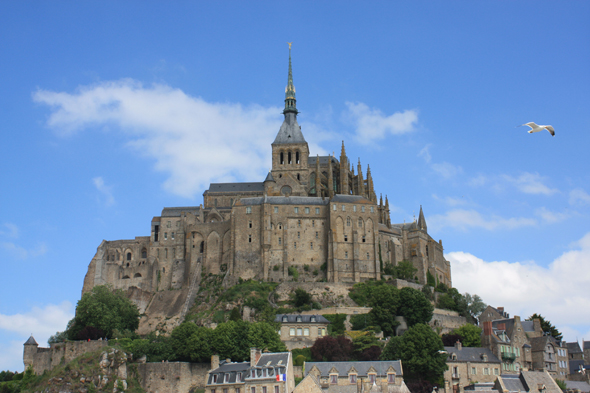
{"x":316,"y":214}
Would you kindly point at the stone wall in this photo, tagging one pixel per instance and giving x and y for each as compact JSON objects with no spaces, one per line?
{"x":443,"y":321}
{"x":59,"y":353}
{"x":174,"y":377}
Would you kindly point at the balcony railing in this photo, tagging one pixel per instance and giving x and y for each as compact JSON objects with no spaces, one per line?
{"x":456,"y":376}
{"x":508,"y":356}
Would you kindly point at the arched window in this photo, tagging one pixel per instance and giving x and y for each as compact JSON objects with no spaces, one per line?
{"x":128,"y":256}
{"x":144,"y":253}
{"x":137,"y":275}
{"x":202,"y":247}
{"x":289,"y":158}
{"x":297,"y":158}
{"x":360,"y":222}
{"x":282,"y":158}
{"x":348,"y":221}
{"x":107,"y":257}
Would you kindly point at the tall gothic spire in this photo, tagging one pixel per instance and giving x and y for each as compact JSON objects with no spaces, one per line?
{"x":421,"y":220}
{"x":290,"y":101}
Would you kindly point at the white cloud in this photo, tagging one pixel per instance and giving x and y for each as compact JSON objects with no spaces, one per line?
{"x":558,"y":292}
{"x":551,"y":217}
{"x":105,"y":190}
{"x":447,"y":170}
{"x":41,"y":322}
{"x":464,"y":219}
{"x":579,"y":197}
{"x":191,"y":140}
{"x":530,"y":183}
{"x":372,"y":124}
{"x":12,"y":232}
{"x":425,"y":153}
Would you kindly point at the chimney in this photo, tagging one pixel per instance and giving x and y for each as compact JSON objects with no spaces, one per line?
{"x":516,"y":318}
{"x":214,"y":362}
{"x":537,"y":326}
{"x":458,"y":345}
{"x":501,"y":310}
{"x":487,"y":328}
{"x":254,"y":356}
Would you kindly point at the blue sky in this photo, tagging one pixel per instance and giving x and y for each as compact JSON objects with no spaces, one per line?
{"x":112,"y":110}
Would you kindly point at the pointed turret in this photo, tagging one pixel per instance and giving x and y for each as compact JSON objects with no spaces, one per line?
{"x":361,"y":182}
{"x":387,"y":216}
{"x":421,"y":220}
{"x":290,"y":101}
{"x":344,"y":186}
{"x":331,"y":190}
{"x":318,"y":179}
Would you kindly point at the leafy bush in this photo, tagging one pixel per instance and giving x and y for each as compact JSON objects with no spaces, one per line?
{"x":299,"y":360}
{"x":275,"y":268}
{"x":292,"y":270}
{"x":336,"y":326}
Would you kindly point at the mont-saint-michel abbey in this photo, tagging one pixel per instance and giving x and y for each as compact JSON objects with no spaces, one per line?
{"x":317,"y":211}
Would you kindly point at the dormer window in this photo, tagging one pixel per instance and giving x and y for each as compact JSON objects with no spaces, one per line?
{"x":390,"y":378}
{"x":352,"y":378}
{"x":285,"y":319}
{"x":298,"y":319}
{"x":333,"y":379}
{"x":214,"y":378}
{"x":239,"y":377}
{"x":253,"y":375}
{"x":226,"y":378}
{"x":313,"y":318}
{"x":372,"y":378}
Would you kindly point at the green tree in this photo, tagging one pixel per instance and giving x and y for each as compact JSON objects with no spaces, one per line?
{"x":263,"y":335}
{"x":235,"y":315}
{"x":446,"y":302}
{"x":58,"y":337}
{"x":105,"y":309}
{"x":199,"y":344}
{"x":547,"y":326}
{"x":470,"y":335}
{"x":385,"y":301}
{"x":562,"y":385}
{"x":414,"y":306}
{"x":336,"y":326}
{"x":418,"y":349}
{"x":301,"y":298}
{"x":179,"y":339}
{"x":430,"y":279}
{"x":405,"y":270}
{"x":475,"y":306}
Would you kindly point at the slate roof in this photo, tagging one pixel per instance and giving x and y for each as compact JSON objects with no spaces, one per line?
{"x":586,"y":345}
{"x":539,"y":343}
{"x":229,"y":368}
{"x":267,"y":360}
{"x":269,"y":177}
{"x":573,"y":347}
{"x":385,"y":228}
{"x":281,"y":200}
{"x":528,"y":326}
{"x":292,"y":318}
{"x":583,"y":387}
{"x":290,"y":131}
{"x":534,"y":379}
{"x":177,"y":211}
{"x":361,"y":367}
{"x":406,"y":225}
{"x":471,"y":354}
{"x":341,"y":198}
{"x":576,"y":364}
{"x":508,"y":325}
{"x":31,"y":341}
{"x":513,"y":383}
{"x":235,"y":187}
{"x":311,"y":161}
{"x":274,"y":359}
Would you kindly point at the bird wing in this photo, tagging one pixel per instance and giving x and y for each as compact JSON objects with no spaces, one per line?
{"x":531,"y":124}
{"x":551,"y":130}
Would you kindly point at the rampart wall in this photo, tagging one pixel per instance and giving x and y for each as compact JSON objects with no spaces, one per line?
{"x":59,"y":353}
{"x":174,"y":377}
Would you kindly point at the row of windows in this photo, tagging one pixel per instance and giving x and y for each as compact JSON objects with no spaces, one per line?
{"x":486,"y":371}
{"x":169,"y":224}
{"x":508,"y":349}
{"x":509,"y":367}
{"x":295,"y":245}
{"x":335,"y":208}
{"x":289,"y":157}
{"x":305,"y":331}
{"x":562,"y":364}
{"x":129,"y":255}
{"x":353,"y":377}
{"x":346,"y":255}
{"x":252,"y":390}
{"x":561,"y":352}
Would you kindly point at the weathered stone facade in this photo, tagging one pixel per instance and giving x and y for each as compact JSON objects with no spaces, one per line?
{"x":312,"y":214}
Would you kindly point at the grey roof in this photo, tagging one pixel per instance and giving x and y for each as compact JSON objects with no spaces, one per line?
{"x":290,"y":131}
{"x":539,"y":343}
{"x":235,"y":187}
{"x":472,"y":354}
{"x":361,"y":367}
{"x":31,"y":341}
{"x":177,"y":211}
{"x":573,"y":347}
{"x":267,"y":360}
{"x":341,"y":389}
{"x":269,"y":177}
{"x":513,"y":383}
{"x":281,"y":200}
{"x":311,"y":161}
{"x":385,"y":228}
{"x":575,"y":365}
{"x":274,"y":359}
{"x":305,"y":318}
{"x":341,"y":198}
{"x":231,"y":369}
{"x":578,"y":385}
{"x":586,"y":345}
{"x":528,"y":326}
{"x":406,"y":225}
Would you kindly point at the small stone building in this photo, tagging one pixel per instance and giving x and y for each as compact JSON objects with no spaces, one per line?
{"x":468,"y":365}
{"x":300,"y":330}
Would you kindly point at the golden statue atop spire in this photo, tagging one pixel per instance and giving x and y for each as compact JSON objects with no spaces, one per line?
{"x":289,"y":45}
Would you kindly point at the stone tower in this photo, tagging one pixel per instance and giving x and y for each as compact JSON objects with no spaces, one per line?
{"x":289,"y":149}
{"x":29,"y":352}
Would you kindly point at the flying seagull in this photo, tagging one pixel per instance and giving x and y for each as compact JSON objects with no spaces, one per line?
{"x":537,"y":128}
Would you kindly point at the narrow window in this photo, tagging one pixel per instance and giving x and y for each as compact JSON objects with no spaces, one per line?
{"x":264,"y":387}
{"x":334,"y":207}
{"x":368,"y":256}
{"x":317,"y":210}
{"x":248,"y":209}
{"x":306,"y":331}
{"x":354,"y":208}
{"x":362,"y":209}
{"x":289,"y":158}
{"x":249,"y":224}
{"x":372,"y":209}
{"x":295,"y":245}
{"x":214,"y":378}
{"x":144,"y":253}
{"x":172,"y":236}
{"x":312,"y":223}
{"x":231,"y":201}
{"x":298,"y":235}
{"x":390,"y":378}
{"x":352,"y":378}
{"x":343,"y":208}
{"x":158,"y":253}
{"x":292,"y":331}
{"x":364,"y":239}
{"x":299,"y":331}
{"x":372,"y":378}
{"x":174,"y":253}
{"x":311,"y":246}
{"x":253,"y":389}
{"x":298,"y":177}
{"x":347,"y":221}
{"x":280,"y":241}
{"x":345,"y":254}
{"x":249,"y":238}
{"x":299,"y":223}
{"x":296,"y":210}
{"x":334,"y":379}
{"x":156,"y":232}
{"x":317,"y":235}
{"x":168,"y":224}
{"x":128,"y":256}
{"x":276,"y":389}
{"x":307,"y":210}
{"x":276,"y":209}
{"x":165,"y":235}
{"x":297,"y":161}
{"x":282,"y":158}
{"x":345,"y":238}
{"x":202,"y":247}
{"x":238,"y":378}
{"x":360,"y":224}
